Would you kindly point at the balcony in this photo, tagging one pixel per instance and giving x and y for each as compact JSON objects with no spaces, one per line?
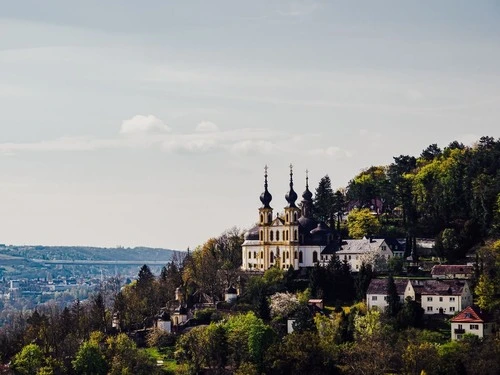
{"x":459,"y":331}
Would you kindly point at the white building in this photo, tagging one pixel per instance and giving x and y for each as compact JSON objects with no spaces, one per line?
{"x":294,"y":239}
{"x":376,"y":295}
{"x":440,"y":296}
{"x":471,"y":320}
{"x":374,"y":251}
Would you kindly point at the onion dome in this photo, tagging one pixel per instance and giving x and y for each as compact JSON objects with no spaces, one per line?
{"x":307,"y":195}
{"x":266,"y":196}
{"x":291,"y":196}
{"x":320,"y":228}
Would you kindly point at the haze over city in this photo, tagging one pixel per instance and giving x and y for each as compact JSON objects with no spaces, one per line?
{"x":149,"y":123}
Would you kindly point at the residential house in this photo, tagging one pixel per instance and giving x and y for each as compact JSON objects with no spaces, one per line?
{"x":374,"y":251}
{"x":440,"y":296}
{"x":471,"y":320}
{"x":376,"y":295}
{"x":452,"y":271}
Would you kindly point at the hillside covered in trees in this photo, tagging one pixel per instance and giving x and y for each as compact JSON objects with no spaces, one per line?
{"x":452,"y":195}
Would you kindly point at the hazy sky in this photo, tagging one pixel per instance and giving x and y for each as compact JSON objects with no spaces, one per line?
{"x":149,"y":122}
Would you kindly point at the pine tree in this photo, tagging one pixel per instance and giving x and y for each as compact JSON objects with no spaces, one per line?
{"x":324,"y":199}
{"x":393,"y":304}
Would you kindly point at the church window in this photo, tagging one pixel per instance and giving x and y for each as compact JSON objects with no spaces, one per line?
{"x":287,"y":218}
{"x":300,"y":257}
{"x":295,"y":216}
{"x":271,"y":234}
{"x":271,"y":257}
{"x":283,"y":257}
{"x":261,"y":255}
{"x":261,"y":236}
{"x":269,"y":217}
{"x":295,"y":235}
{"x":296,"y":255}
{"x":287,"y":255}
{"x":249,"y":254}
{"x":277,"y":235}
{"x":255,"y":254}
{"x":261,"y":218}
{"x":286,"y":235}
{"x":315,"y":256}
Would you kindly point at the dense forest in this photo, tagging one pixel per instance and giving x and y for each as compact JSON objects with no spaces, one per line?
{"x":452,"y":195}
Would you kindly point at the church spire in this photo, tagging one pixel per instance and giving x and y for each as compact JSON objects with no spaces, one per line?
{"x":266,"y":196}
{"x":307,"y":195}
{"x":291,"y":196}
{"x":307,"y":201}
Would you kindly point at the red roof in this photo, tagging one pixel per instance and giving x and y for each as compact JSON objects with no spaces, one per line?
{"x":471,"y":314}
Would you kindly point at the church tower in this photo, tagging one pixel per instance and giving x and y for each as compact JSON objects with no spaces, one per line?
{"x":291,"y":232}
{"x":307,"y":201}
{"x":265,"y":220}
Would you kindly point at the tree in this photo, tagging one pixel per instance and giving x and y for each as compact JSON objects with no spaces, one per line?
{"x":90,"y":360}
{"x":29,"y":360}
{"x":485,"y":291}
{"x":362,"y":223}
{"x":393,"y":303}
{"x":323,"y":200}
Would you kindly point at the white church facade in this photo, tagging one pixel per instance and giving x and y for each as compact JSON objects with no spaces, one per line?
{"x":294,"y":239}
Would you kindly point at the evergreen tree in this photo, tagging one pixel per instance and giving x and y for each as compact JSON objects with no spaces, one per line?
{"x":393,"y":303}
{"x":323,"y":200}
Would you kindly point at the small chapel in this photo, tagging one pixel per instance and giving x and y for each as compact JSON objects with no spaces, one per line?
{"x":293,"y":239}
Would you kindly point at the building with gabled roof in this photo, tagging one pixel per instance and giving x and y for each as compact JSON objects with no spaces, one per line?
{"x":374,"y":251}
{"x":473,"y":321}
{"x":452,"y":271}
{"x":440,"y":296}
{"x":376,"y":295}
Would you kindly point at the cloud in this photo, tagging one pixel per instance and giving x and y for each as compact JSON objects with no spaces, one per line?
{"x":140,"y":124}
{"x":207,"y":126}
{"x":207,"y":138}
{"x":333,"y":152}
{"x":299,"y":8}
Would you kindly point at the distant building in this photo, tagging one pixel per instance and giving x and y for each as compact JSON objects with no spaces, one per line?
{"x":452,"y":271}
{"x":471,"y":320}
{"x":374,"y":251}
{"x":440,"y":296}
{"x":294,"y":239}
{"x":376,"y":295}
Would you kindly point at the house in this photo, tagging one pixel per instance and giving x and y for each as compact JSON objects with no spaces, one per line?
{"x":471,"y":320}
{"x":452,"y":271}
{"x":376,"y":295}
{"x":294,"y":239}
{"x":374,"y":251}
{"x":440,"y":296}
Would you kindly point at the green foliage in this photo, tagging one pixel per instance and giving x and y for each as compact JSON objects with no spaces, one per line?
{"x":28,"y":361}
{"x":324,"y":200}
{"x":90,"y":360}
{"x":362,"y":223}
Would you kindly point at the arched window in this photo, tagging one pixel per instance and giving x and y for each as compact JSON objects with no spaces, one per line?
{"x":296,"y":255}
{"x":287,"y":254}
{"x":315,"y":256}
{"x":271,"y":257}
{"x":249,"y":255}
{"x":287,"y":218}
{"x":295,"y":235}
{"x":283,"y":257}
{"x":286,"y":235}
{"x":261,"y":218}
{"x":300,"y":257}
{"x":255,"y":254}
{"x":261,"y":236}
{"x":269,"y":217}
{"x":295,"y":216}
{"x":261,"y":255}
{"x":277,"y":235}
{"x":271,"y":234}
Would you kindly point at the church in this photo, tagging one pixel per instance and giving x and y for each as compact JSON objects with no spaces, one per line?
{"x":294,"y":239}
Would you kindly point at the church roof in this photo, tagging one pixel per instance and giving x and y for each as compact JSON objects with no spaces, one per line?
{"x":252,"y":234}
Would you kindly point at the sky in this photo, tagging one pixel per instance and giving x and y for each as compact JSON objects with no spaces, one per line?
{"x":149,"y":123}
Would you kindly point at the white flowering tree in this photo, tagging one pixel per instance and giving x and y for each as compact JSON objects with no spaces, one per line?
{"x":283,"y":304}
